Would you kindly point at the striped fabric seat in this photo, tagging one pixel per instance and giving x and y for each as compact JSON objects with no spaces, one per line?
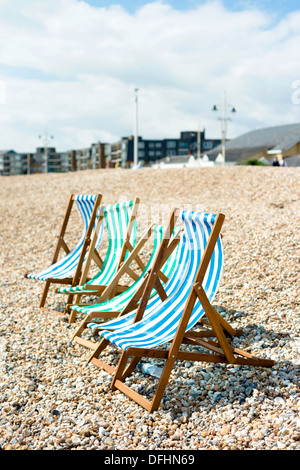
{"x":66,"y":266}
{"x":116,"y":219}
{"x":161,"y":318}
{"x":119,"y":302}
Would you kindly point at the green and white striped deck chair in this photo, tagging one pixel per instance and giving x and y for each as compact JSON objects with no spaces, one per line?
{"x":120,"y":222}
{"x":128,"y":300}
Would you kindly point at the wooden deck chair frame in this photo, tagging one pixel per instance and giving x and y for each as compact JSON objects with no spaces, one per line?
{"x":104,"y":292}
{"x":62,"y":245}
{"x":132,"y":304}
{"x":220,"y":351}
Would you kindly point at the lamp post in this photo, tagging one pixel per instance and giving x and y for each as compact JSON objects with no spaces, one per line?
{"x":224,"y":120}
{"x":135,"y":146}
{"x":199,"y":142}
{"x":46,"y":142}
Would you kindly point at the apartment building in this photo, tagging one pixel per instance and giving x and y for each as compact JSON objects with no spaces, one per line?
{"x":104,"y":155}
{"x":12,"y":163}
{"x":121,"y":153}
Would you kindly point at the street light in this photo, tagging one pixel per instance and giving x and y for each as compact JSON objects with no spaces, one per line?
{"x":224,"y":120}
{"x":199,"y":142}
{"x":46,"y":142}
{"x":135,"y":146}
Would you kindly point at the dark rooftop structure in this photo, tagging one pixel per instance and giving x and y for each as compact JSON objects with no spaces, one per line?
{"x":266,"y":142}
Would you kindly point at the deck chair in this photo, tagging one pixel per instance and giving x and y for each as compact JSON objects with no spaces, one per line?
{"x":120,"y":222}
{"x":68,"y":269}
{"x":119,"y":305}
{"x":170,"y":322}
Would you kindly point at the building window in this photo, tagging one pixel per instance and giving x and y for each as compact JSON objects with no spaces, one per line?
{"x":171,"y":144}
{"x":207,"y":145}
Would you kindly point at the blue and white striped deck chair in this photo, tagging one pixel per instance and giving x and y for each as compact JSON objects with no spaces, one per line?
{"x":121,"y":225}
{"x":128,"y":300}
{"x":67,"y":269}
{"x":170,"y":322}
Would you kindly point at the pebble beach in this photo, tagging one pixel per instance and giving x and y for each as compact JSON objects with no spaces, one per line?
{"x":51,"y":399}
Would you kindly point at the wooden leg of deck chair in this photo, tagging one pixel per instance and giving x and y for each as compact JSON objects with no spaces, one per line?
{"x":72,"y":317}
{"x":68,"y":311}
{"x":121,"y":372}
{"x":87,"y":319}
{"x":119,"y":369}
{"x":95,"y":317}
{"x":118,"y":383}
{"x":95,"y":354}
{"x":80,"y":328}
{"x":130,"y":368}
{"x":112,"y":370}
{"x":218,"y":323}
{"x":173,"y":352}
{"x":163,"y":382}
{"x":45,"y":293}
{"x":70,"y":299}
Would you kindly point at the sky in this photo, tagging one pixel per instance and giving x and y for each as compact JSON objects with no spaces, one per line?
{"x":70,"y":68}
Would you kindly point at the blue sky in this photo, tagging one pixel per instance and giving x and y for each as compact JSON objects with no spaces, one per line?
{"x":279,"y":7}
{"x":72,"y":66}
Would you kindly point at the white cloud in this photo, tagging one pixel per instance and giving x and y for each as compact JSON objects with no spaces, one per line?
{"x":73,"y":67}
